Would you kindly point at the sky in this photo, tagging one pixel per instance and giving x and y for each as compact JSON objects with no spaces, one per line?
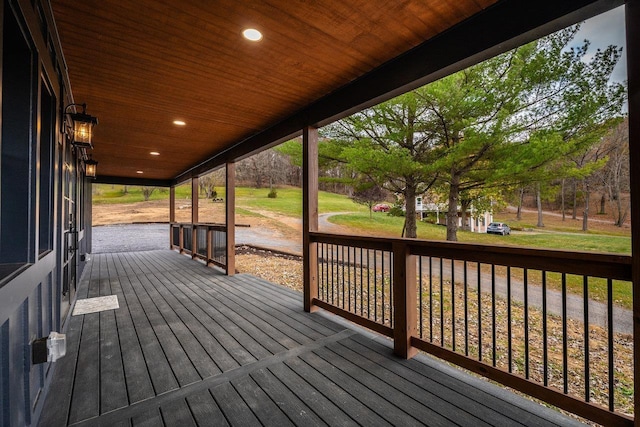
{"x":604,"y":30}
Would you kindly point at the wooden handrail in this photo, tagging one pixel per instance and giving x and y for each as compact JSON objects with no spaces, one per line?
{"x":614,"y":266}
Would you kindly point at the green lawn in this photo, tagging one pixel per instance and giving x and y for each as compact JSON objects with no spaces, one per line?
{"x":289,"y":201}
{"x":392,"y":226}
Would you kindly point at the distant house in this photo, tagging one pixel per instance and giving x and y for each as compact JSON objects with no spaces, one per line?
{"x":475,"y":221}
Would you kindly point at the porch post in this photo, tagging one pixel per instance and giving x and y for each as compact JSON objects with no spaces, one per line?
{"x":309,"y":216}
{"x":404,"y":300}
{"x":230,"y":204}
{"x":172,"y":214}
{"x":194,"y":216}
{"x":632,"y":16}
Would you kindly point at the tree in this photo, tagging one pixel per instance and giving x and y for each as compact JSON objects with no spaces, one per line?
{"x":613,"y":178}
{"x":369,"y":194}
{"x":534,"y":105}
{"x":391,"y":145}
{"x":147,"y":192}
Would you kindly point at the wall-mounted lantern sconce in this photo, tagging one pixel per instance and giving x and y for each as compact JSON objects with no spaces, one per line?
{"x":80,"y":127}
{"x":90,"y":167}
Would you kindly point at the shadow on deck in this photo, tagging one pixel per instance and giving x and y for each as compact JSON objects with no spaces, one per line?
{"x":190,"y":346}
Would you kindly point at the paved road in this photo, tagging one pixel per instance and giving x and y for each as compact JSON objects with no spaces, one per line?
{"x":144,"y":237}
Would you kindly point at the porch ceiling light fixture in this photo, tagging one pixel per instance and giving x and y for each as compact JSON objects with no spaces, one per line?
{"x":90,"y":167}
{"x":79,"y":128}
{"x":252,"y":34}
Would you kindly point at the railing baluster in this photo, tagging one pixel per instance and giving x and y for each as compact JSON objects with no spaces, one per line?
{"x":342,"y":274}
{"x":361,"y":279}
{"x":612,"y":386}
{"x":333,"y":255}
{"x":431,"y":299}
{"x":479,"y":312}
{"x":441,"y":302}
{"x":545,"y":346}
{"x":565,"y":360}
{"x":493,"y":311}
{"x":375,"y":285}
{"x":587,"y":375}
{"x":382,"y":280}
{"x":453,"y":305}
{"x":525,"y":280}
{"x":391,"y":284}
{"x":466,"y":311}
{"x":349,"y":272}
{"x":509,"y":330}
{"x":420,"y":295}
{"x":368,"y":285}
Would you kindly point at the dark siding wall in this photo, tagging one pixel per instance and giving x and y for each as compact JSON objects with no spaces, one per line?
{"x":30,"y":225}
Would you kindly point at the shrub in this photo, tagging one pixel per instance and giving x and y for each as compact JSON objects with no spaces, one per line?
{"x":396,"y":210}
{"x":272,"y":193}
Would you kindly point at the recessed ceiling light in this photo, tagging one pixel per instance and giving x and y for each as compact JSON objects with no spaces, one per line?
{"x":252,"y":34}
{"x":179,"y":123}
{"x":154,"y":153}
{"x":139,"y":172}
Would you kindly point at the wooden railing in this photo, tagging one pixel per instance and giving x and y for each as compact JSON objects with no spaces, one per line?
{"x":525,"y":318}
{"x":202,"y":241}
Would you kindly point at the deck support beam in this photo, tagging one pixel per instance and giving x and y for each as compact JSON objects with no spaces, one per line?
{"x":194,"y":215}
{"x":405,"y":315}
{"x":230,"y":215}
{"x":632,"y":16}
{"x":309,"y":216}
{"x":172,"y":214}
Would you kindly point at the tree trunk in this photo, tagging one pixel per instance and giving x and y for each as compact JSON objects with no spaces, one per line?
{"x":574,"y":214}
{"x":410,"y":211}
{"x":539,"y":204}
{"x":520,"y":201}
{"x":621,"y":215}
{"x":562,"y":201}
{"x":603,"y":201}
{"x":452,"y":211}
{"x":585,"y":215}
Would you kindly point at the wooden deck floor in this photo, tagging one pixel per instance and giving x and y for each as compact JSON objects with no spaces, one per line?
{"x":190,"y":346}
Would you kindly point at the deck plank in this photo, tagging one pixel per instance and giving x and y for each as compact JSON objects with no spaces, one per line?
{"x":138,"y":381}
{"x":85,"y":402}
{"x":191,"y":346}
{"x":233,"y":406}
{"x":160,"y":371}
{"x":268,"y":412}
{"x":181,"y":366}
{"x":333,"y":392}
{"x":205,"y":410}
{"x":206,"y":324}
{"x":373,"y":401}
{"x":177,"y":413}
{"x":150,"y":418}
{"x":314,"y":399}
{"x":113,"y":388}
{"x":240,"y":313}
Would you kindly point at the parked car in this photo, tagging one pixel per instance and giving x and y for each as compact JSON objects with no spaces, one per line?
{"x":498,"y":228}
{"x":381,"y":207}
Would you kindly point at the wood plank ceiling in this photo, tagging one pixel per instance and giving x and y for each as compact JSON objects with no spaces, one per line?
{"x":141,"y":65}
